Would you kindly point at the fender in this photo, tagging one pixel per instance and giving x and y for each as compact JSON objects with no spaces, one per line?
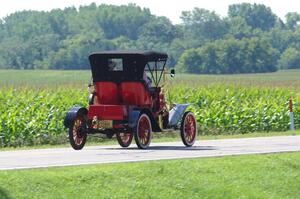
{"x":176,"y":114}
{"x":72,"y":114}
{"x":135,"y":114}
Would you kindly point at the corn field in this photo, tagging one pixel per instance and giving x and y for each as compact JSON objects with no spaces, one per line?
{"x":227,"y":109}
{"x":30,"y":115}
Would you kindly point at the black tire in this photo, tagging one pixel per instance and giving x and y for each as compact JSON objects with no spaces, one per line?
{"x":142,"y":132}
{"x":78,"y":132}
{"x":124,"y":138}
{"x":188,"y":129}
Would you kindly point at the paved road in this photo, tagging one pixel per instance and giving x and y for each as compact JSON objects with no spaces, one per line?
{"x":173,"y":150}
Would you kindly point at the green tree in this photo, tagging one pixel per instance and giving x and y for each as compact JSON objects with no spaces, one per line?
{"x":249,"y":55}
{"x":203,"y":24}
{"x":292,"y":19}
{"x":74,"y":51}
{"x":290,"y":59}
{"x":249,"y":39}
{"x":238,"y":27}
{"x":190,"y":61}
{"x":280,"y":39}
{"x":256,"y":15}
{"x":159,"y":29}
{"x":122,"y":20}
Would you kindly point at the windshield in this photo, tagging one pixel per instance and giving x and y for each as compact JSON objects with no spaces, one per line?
{"x":156,"y":70}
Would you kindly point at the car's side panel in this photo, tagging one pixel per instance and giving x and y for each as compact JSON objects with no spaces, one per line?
{"x":108,"y":112}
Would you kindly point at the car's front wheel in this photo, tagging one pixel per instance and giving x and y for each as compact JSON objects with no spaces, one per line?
{"x":188,"y":129}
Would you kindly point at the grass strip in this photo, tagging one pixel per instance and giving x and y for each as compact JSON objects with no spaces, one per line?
{"x":247,"y":176}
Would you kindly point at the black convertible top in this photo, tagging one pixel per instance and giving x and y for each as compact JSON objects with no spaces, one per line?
{"x":146,"y":55}
{"x":134,"y":63}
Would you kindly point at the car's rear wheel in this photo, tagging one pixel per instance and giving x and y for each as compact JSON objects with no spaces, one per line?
{"x":124,"y":138}
{"x":142,"y":131}
{"x":188,"y":129}
{"x":78,"y":132}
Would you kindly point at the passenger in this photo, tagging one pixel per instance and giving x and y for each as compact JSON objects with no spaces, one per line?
{"x":147,"y":79}
{"x":111,"y":65}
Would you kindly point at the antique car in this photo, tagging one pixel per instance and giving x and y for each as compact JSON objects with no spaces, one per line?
{"x":127,"y":101}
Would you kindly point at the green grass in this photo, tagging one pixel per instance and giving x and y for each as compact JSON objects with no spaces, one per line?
{"x":37,"y":78}
{"x":248,"y":176}
{"x":285,"y":78}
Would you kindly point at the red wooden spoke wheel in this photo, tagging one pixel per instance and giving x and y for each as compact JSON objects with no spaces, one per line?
{"x":188,"y":129}
{"x":78,"y":133}
{"x":124,"y":138}
{"x":142,"y":132}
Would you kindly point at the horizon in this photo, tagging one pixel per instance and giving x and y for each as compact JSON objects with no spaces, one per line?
{"x":156,"y":7}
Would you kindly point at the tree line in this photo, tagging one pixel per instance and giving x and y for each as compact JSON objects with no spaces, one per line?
{"x":251,"y":38}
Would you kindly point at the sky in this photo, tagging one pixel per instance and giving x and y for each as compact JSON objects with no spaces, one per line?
{"x":169,"y":8}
